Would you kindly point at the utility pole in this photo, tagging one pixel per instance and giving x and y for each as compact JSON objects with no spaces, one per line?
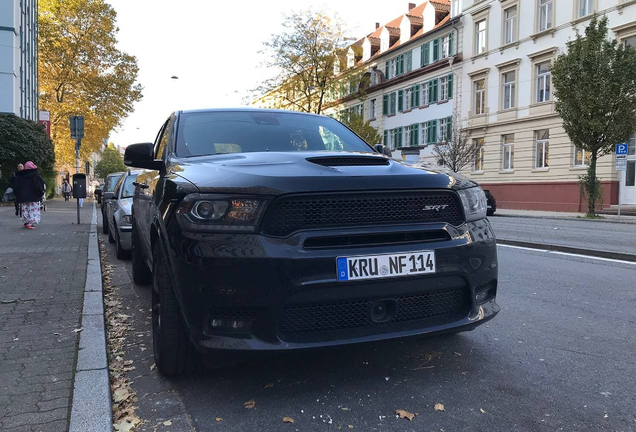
{"x":77,"y":132}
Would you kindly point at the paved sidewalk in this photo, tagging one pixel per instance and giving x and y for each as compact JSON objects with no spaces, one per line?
{"x":562,"y":215}
{"x":611,"y":240}
{"x":42,"y":277}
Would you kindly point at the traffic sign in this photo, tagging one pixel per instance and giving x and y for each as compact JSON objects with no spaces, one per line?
{"x":621,"y":149}
{"x":77,"y":127}
{"x":621,"y":165}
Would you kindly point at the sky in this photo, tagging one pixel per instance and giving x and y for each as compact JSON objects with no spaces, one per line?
{"x":212,"y":46}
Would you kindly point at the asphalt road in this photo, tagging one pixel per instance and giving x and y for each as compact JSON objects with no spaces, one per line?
{"x":559,"y":357}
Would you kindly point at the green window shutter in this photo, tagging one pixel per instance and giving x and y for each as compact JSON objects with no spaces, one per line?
{"x":385,"y":105}
{"x":401,"y":63}
{"x":450,"y":86}
{"x":415,"y":138}
{"x":386,"y":69}
{"x":449,"y":128}
{"x":430,"y":91}
{"x":400,"y":101}
{"x":426,"y":54}
{"x":429,"y":138}
{"x":435,"y":87}
{"x":392,"y":104}
{"x":409,"y":61}
{"x":451,"y":43}
{"x":386,"y":137}
{"x":416,"y":95}
{"x":436,"y":50}
{"x":400,"y":136}
{"x":434,"y":130}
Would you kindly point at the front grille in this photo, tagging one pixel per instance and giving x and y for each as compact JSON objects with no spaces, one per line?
{"x":349,"y":161}
{"x":321,"y":321}
{"x":300,"y":212}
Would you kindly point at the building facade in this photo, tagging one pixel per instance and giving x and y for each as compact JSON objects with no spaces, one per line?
{"x":19,"y":58}
{"x":523,"y":154}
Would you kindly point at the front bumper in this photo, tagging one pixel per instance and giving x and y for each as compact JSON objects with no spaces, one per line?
{"x":289,"y":297}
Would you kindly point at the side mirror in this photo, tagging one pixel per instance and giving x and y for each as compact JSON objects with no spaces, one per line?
{"x":380,"y":148}
{"x":107,"y":196}
{"x":142,"y":156}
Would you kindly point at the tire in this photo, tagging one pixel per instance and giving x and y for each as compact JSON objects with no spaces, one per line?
{"x":173,"y":352}
{"x":111,"y":238}
{"x":119,"y":252}
{"x":104,"y":223}
{"x":141,"y":274}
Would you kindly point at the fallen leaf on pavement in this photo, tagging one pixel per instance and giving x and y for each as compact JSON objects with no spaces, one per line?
{"x":153,"y":367}
{"x":405,"y":414}
{"x":439,"y":407}
{"x":121,"y":394}
{"x":270,"y":385}
{"x":350,"y":426}
{"x":167,"y":423}
{"x":219,"y":419}
{"x":77,"y":330}
{"x":482,"y":411}
{"x":288,"y":420}
{"x":249,"y":404}
{"x":457,"y":354}
{"x":344,"y":409}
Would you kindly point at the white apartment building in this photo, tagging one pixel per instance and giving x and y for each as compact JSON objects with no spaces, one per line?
{"x":525,"y":157}
{"x":19,"y":58}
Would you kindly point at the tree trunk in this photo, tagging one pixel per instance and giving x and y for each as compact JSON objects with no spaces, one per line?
{"x":591,"y":188}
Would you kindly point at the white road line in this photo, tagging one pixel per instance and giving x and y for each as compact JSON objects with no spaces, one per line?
{"x":569,"y":254}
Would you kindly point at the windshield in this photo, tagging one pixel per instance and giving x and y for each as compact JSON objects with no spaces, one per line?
{"x":129,"y":188}
{"x":208,"y":133}
{"x":111,"y":181}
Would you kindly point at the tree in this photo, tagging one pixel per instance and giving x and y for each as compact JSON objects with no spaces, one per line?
{"x":305,"y":57}
{"x":21,"y":141}
{"x":356,"y":123}
{"x":83,"y":73}
{"x":458,"y":151}
{"x":595,"y":93}
{"x":110,"y":162}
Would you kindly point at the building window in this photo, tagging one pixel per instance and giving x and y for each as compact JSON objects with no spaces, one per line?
{"x":408,"y":98}
{"x":393,"y":70}
{"x":407,"y":135}
{"x":480,"y":37}
{"x":509,"y":89}
{"x":425,"y":133}
{"x":446,"y":46}
{"x":581,"y":157}
{"x":480,"y":96}
{"x":586,"y":7}
{"x":545,"y":14}
{"x":629,"y":41}
{"x":424,"y":98}
{"x":508,"y":148}
{"x":443,"y":88}
{"x":510,"y":24}
{"x":543,"y":81}
{"x":442,"y":129}
{"x":542,"y":147}
{"x":372,"y":109}
{"x":479,"y":154}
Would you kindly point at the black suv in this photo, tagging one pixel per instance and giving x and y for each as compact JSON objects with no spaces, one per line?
{"x":267,"y":230}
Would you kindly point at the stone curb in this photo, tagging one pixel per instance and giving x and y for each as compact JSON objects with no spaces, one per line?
{"x":573,"y":250}
{"x":631,"y":220}
{"x":91,"y":407}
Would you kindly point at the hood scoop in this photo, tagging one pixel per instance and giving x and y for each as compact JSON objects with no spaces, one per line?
{"x":333,"y":161}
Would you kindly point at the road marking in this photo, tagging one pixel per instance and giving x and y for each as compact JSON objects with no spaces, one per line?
{"x":569,"y":254}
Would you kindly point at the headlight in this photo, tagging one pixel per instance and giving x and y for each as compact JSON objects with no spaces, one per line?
{"x":219,"y":213}
{"x":474,"y":202}
{"x":126,"y":220}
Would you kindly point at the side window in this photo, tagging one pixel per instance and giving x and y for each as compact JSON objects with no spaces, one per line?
{"x":163,"y":141}
{"x":158,"y":139}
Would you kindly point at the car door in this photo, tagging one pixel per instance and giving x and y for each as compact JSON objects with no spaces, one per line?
{"x":146,"y":185}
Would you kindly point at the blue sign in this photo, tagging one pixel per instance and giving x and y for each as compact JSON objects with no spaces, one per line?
{"x":621,"y":149}
{"x":343,"y":271}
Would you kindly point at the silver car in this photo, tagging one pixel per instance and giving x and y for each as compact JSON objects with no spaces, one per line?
{"x":118,"y":213}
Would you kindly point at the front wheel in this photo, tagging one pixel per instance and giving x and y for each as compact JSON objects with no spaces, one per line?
{"x":173,"y":352}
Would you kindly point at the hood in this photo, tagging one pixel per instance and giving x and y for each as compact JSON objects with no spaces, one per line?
{"x":272,"y":173}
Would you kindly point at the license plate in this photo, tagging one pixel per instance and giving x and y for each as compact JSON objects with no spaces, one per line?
{"x":385,"y":266}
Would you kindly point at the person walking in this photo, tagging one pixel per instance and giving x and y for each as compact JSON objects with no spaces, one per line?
{"x":66,"y":190}
{"x":28,"y":188}
{"x":15,"y":201}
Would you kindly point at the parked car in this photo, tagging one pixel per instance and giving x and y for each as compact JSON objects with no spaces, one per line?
{"x":107,"y":195}
{"x":266,"y":230}
{"x":119,"y":214}
{"x":491,"y":203}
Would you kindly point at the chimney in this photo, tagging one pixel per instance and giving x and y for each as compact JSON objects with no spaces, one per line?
{"x":411,"y":6}
{"x":377,"y":25}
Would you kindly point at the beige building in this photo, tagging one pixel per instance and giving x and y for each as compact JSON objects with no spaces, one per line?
{"x":525,"y":157}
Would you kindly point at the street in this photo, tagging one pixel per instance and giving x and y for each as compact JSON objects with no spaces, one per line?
{"x":559,"y":357}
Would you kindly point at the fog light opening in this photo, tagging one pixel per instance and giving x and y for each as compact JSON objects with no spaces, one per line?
{"x":482,"y":296}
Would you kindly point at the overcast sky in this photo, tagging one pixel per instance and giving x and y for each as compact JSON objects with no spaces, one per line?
{"x":212,"y":46}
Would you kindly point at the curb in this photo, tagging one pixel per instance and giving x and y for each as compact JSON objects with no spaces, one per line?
{"x":91,"y":407}
{"x":572,"y":250}
{"x":569,"y":218}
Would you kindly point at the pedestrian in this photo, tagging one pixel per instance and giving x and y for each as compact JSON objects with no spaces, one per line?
{"x":66,"y":190}
{"x":28,"y":188}
{"x":15,"y":201}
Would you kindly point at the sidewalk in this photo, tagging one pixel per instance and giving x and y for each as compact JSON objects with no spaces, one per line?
{"x":563,"y":215}
{"x":42,"y":278}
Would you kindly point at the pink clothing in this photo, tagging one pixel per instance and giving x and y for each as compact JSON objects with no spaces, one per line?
{"x":30,"y":165}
